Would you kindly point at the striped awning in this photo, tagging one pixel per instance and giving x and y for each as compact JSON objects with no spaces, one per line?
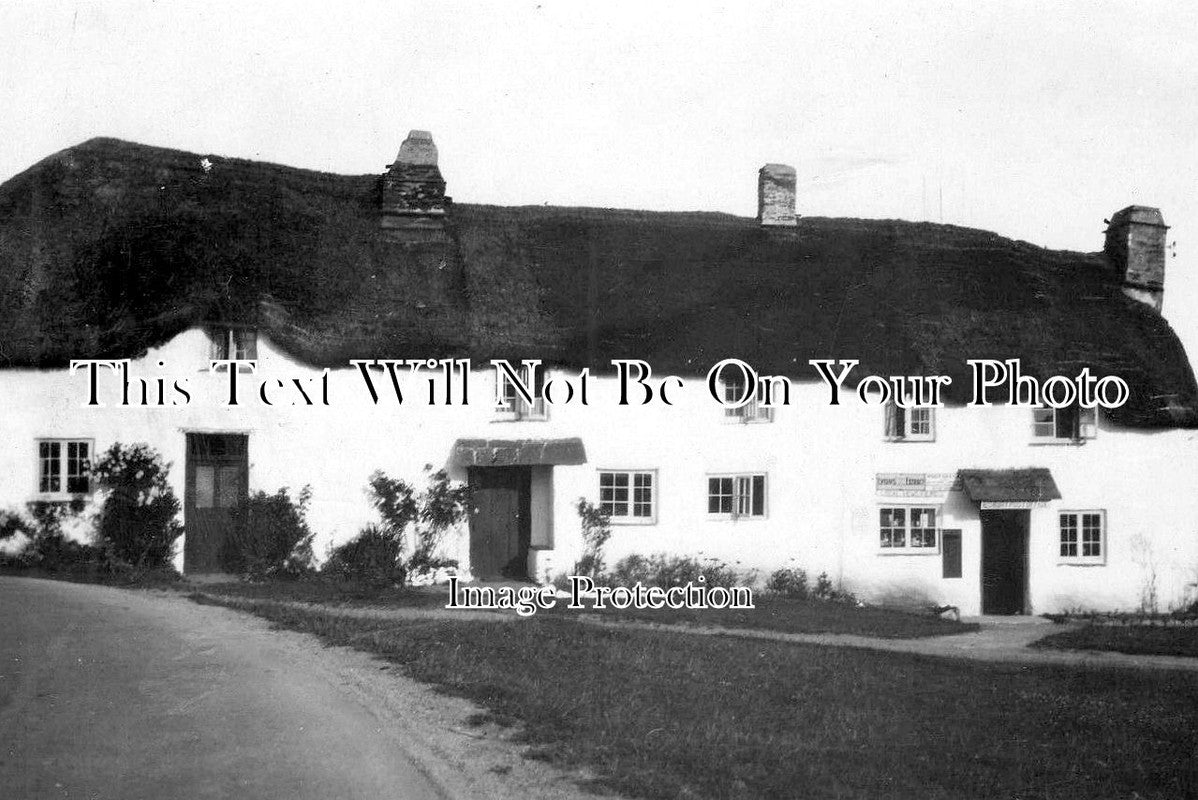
{"x":518,"y":452}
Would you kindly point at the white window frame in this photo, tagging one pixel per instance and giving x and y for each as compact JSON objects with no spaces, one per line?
{"x":516,"y":409}
{"x":740,"y":498}
{"x":1079,"y":531}
{"x":908,"y":432}
{"x":63,"y":460}
{"x":908,"y":509}
{"x":751,"y":412}
{"x":224,"y":345}
{"x":630,"y":502}
{"x":1044,"y":419}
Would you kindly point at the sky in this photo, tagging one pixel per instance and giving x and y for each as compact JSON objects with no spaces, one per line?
{"x":1034,"y":120}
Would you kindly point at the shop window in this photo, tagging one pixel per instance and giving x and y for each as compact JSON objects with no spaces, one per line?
{"x":908,"y":528}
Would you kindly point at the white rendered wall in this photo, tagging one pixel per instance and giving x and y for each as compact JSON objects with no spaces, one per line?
{"x":821,"y":462}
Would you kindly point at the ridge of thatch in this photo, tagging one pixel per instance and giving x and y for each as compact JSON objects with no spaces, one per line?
{"x":110,"y":247}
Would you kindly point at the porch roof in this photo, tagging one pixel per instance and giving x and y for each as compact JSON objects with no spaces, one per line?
{"x":518,"y":452}
{"x":1031,"y":485}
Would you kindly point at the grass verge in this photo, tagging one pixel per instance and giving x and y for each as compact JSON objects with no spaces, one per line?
{"x":797,"y":616}
{"x":331,"y":593}
{"x":772,"y":613}
{"x":1146,"y":640}
{"x":659,"y":714}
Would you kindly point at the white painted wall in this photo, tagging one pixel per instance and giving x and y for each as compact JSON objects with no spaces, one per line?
{"x":821,"y":463}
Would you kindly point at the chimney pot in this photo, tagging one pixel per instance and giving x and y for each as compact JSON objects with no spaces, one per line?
{"x":418,"y":150}
{"x":413,"y":202}
{"x":1135,"y":247}
{"x":776,"y":195}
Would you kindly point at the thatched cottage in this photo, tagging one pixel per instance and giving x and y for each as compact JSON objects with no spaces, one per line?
{"x":113,"y":250}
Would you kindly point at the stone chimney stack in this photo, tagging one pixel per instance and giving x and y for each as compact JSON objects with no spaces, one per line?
{"x":1135,"y":247}
{"x":413,"y":191}
{"x":776,"y":195}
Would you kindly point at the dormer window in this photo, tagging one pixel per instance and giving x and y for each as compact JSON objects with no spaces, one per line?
{"x":514,"y":406}
{"x":909,"y":424}
{"x":733,"y":382}
{"x":1073,"y":424}
{"x":233,"y":343}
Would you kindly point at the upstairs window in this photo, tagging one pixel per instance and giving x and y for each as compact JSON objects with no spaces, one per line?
{"x":64,"y":467}
{"x":733,"y":381}
{"x":629,"y":497}
{"x":909,"y":424}
{"x":233,"y":343}
{"x":1073,"y":424}
{"x":908,"y":528}
{"x":514,"y":406}
{"x":736,"y":496}
{"x":1083,"y":535}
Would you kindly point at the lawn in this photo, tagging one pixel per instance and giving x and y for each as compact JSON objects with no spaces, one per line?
{"x":328,"y":592}
{"x":1148,"y":640}
{"x":772,"y":613}
{"x":798,"y":616}
{"x":662,"y":714}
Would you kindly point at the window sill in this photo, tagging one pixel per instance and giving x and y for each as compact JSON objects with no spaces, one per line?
{"x":632,"y":521}
{"x":909,"y":551}
{"x":1080,"y":563}
{"x":1057,"y":442}
{"x":743,"y":421}
{"x":62,"y":497}
{"x":730,"y":518}
{"x":909,"y":440}
{"x":224,"y":368}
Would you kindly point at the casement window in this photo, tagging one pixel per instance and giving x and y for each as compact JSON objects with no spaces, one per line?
{"x":1083,"y":537}
{"x":909,"y":424}
{"x":908,"y":528}
{"x":64,"y":467}
{"x":514,"y":406}
{"x":1073,"y":424}
{"x":233,"y":343}
{"x":736,"y":496}
{"x":733,"y":382}
{"x":629,"y":497}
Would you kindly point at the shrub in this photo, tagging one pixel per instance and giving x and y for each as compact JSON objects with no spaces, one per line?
{"x":664,"y":570}
{"x":789,"y":582}
{"x":826,"y":590}
{"x":395,"y":501}
{"x":596,"y":530}
{"x":13,"y":523}
{"x":374,"y":556}
{"x":138,"y":523}
{"x":49,"y":548}
{"x":269,"y":535}
{"x":442,"y":506}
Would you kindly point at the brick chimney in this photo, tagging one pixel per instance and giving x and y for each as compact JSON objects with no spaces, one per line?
{"x":1135,"y":247}
{"x":776,"y":195}
{"x":413,"y":191}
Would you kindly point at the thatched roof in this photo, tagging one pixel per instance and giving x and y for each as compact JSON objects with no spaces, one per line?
{"x":110,"y":247}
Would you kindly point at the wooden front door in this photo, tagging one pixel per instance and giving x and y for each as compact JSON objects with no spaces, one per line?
{"x":1004,"y":561}
{"x":500,"y":522}
{"x":217,"y":482}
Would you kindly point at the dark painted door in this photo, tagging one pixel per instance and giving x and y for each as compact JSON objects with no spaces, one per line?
{"x":500,"y":527}
{"x":217,"y":483}
{"x":950,"y":543}
{"x":1004,"y":561}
